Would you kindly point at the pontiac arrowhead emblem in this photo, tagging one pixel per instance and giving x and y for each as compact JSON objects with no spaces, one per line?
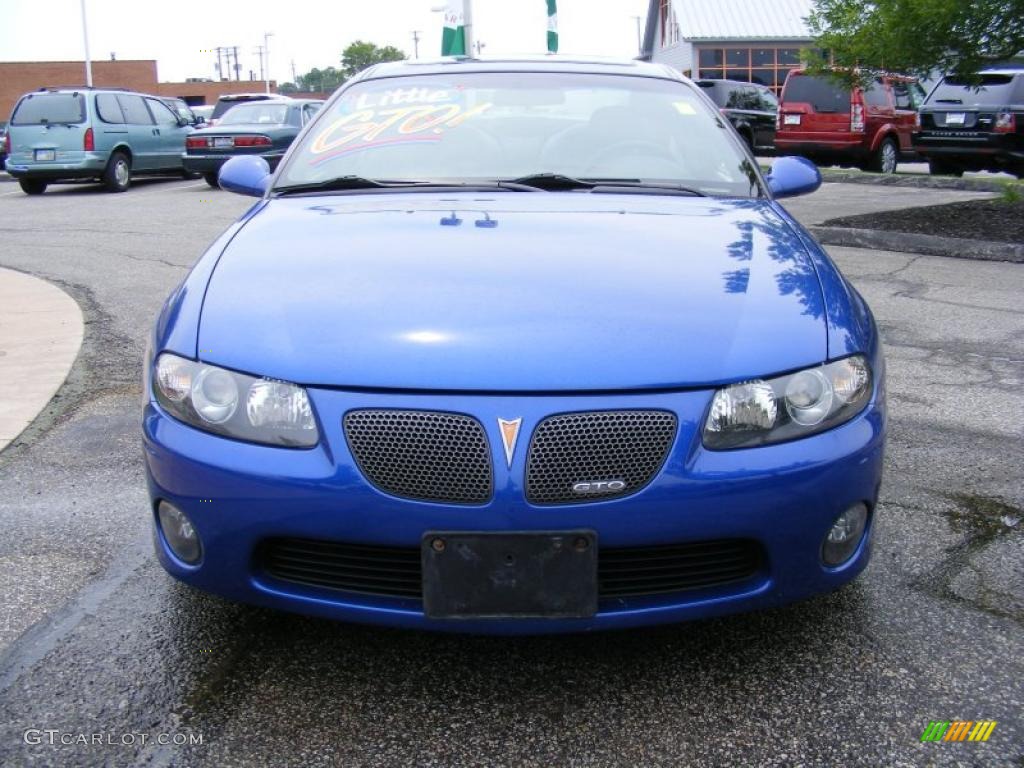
{"x":509,"y":435}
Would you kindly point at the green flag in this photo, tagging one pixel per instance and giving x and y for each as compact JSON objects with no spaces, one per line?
{"x":453,"y":39}
{"x":552,"y":27}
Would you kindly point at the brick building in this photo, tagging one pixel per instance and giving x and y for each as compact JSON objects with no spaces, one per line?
{"x":20,"y":77}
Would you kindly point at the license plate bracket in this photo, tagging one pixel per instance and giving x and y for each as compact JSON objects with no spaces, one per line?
{"x":45,"y":155}
{"x":534,"y":574}
{"x":222,"y":142}
{"x":791,"y":120}
{"x":956,"y":118}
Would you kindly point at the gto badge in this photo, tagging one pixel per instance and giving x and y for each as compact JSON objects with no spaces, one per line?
{"x":509,"y":435}
{"x":599,"y":486}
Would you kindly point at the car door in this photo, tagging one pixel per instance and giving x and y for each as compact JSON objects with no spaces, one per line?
{"x":767,"y":108}
{"x":907,"y":97}
{"x":170,"y":135}
{"x":142,"y":133}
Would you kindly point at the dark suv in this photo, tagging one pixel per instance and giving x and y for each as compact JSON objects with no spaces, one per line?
{"x":829,"y":122}
{"x":967,"y":126}
{"x":751,"y":109}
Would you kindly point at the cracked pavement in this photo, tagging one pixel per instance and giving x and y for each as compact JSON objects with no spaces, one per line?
{"x":96,"y":639}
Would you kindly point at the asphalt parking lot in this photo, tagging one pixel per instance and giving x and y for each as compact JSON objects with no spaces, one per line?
{"x":96,"y":639}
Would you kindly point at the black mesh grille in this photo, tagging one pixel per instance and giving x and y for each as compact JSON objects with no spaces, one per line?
{"x":621,"y":573}
{"x":425,"y":455}
{"x":677,"y":567}
{"x":626,"y":448}
{"x":387,"y":571}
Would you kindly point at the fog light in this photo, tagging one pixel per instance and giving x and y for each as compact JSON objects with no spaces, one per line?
{"x":844,"y":536}
{"x":179,"y":532}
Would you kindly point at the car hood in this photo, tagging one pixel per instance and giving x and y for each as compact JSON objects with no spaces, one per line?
{"x":513,"y":292}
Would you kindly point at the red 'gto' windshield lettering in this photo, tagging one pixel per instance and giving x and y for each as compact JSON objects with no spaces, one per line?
{"x":369,"y":128}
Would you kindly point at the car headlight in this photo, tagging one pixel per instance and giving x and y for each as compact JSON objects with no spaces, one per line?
{"x":768,"y":411}
{"x":233,"y":404}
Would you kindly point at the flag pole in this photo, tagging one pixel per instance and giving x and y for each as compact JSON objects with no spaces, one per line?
{"x":88,"y":59}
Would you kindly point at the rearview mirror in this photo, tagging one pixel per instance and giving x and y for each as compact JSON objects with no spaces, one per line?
{"x":200,"y":120}
{"x":792,"y":176}
{"x":246,"y":175}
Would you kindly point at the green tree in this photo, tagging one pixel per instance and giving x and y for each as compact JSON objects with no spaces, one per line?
{"x":918,"y":37}
{"x":320,"y":80}
{"x":361,"y":54}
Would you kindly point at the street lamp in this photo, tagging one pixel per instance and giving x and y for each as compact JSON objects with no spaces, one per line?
{"x":266,"y":56}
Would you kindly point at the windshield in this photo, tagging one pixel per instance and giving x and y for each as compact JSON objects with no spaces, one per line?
{"x":505,"y":126}
{"x":256,"y":112}
{"x":993,"y":90}
{"x":40,"y":108}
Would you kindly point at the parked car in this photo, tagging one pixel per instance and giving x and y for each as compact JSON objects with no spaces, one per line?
{"x":532,"y":350}
{"x":265,"y":128}
{"x":4,"y":147}
{"x":968,"y":126}
{"x":204,"y":111}
{"x":109,"y":135}
{"x":830,"y":123}
{"x":226,"y":102}
{"x":751,"y":108}
{"x":181,"y":108}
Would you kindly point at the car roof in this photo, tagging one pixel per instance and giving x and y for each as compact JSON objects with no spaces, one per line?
{"x":723,"y":81}
{"x":93,"y":89}
{"x":538,"y":63}
{"x":801,"y":72}
{"x":285,"y":101}
{"x":1010,"y":72}
{"x":247,"y":96}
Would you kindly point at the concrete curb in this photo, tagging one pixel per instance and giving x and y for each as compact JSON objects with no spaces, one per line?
{"x":929,"y":245}
{"x":916,"y":181}
{"x":41,"y":331}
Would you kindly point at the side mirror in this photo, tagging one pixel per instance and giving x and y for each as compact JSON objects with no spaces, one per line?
{"x":246,"y":175}
{"x":792,"y":176}
{"x":183,"y":121}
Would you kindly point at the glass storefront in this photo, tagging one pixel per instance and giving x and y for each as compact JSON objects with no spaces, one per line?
{"x":765,"y":65}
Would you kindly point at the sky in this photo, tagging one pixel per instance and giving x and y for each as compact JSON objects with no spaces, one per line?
{"x":310,"y":33}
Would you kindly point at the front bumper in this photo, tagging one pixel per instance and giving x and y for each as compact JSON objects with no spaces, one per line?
{"x":212,"y":163}
{"x":784,"y":498}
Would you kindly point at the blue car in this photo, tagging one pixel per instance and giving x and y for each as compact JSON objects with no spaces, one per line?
{"x":515,"y":346}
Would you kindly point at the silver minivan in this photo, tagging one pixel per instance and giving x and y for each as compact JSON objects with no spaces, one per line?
{"x":104,"y":134}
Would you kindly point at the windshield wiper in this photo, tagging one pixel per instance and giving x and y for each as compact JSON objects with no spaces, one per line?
{"x":558,"y":181}
{"x":551,"y":181}
{"x":342,"y":183}
{"x":619,"y":185}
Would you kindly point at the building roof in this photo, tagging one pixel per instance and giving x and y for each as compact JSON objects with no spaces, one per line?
{"x":734,"y":20}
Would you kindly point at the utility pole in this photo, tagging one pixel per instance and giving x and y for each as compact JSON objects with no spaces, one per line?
{"x":639,"y":38}
{"x":88,"y":59}
{"x":238,"y":67}
{"x":295,"y":78}
{"x":416,"y":43}
{"x":266,"y":54}
{"x":259,"y":52}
